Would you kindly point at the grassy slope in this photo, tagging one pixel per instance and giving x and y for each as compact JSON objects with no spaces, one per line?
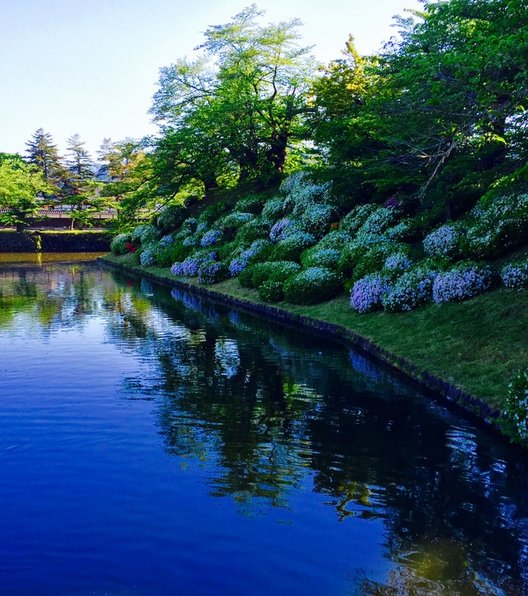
{"x":477,"y":345}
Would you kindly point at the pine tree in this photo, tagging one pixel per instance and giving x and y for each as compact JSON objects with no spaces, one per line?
{"x":42,"y":153}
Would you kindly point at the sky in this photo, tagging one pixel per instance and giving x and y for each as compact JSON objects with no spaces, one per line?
{"x":91,"y":67}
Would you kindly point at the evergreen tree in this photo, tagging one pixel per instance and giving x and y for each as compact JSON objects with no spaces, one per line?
{"x":42,"y":153}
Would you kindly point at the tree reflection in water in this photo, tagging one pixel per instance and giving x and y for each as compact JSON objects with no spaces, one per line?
{"x":271,"y":409}
{"x":267,"y":412}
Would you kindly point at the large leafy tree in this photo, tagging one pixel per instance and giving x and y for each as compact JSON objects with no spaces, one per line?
{"x":443,"y":115}
{"x":240,"y":100}
{"x":21,"y":189}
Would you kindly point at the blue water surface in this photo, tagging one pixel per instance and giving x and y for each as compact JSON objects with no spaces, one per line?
{"x":152,"y":442}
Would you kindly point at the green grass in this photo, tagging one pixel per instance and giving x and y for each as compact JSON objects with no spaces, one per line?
{"x":477,"y":345}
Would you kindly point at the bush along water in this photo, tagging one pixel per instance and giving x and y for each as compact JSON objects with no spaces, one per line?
{"x":514,"y":418}
{"x":302,"y":245}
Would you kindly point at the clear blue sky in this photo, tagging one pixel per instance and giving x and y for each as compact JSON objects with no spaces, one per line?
{"x":91,"y":66}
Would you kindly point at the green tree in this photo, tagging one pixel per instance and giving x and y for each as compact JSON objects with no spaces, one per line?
{"x":21,"y":189}
{"x":79,"y":185}
{"x":246,"y":109}
{"x":43,"y":154}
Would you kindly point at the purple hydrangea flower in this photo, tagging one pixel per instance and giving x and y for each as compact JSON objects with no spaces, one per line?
{"x":367,"y":293}
{"x":460,"y":283}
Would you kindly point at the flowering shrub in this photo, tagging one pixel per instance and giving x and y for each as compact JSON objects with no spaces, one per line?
{"x":312,"y":285}
{"x":171,"y":218}
{"x":291,"y":247}
{"x":515,"y":275}
{"x":147,"y":258}
{"x":378,"y":221}
{"x":373,"y":258}
{"x":167,"y":240}
{"x":367,"y":293}
{"x":293,"y":182}
{"x":234,"y":220}
{"x":250,"y":205}
{"x":190,"y":266}
{"x":356,"y":218}
{"x":402,"y":231}
{"x":254,"y":275}
{"x":460,"y":283}
{"x":119,"y":244}
{"x":278,"y":229}
{"x":317,"y":218}
{"x":191,"y":241}
{"x":321,"y":257}
{"x":271,"y":291}
{"x":336,"y":239}
{"x":239,"y":263}
{"x":212,"y":272}
{"x":398,"y":261}
{"x":166,"y":255}
{"x":273,"y":209}
{"x":306,"y":195}
{"x":500,"y":223}
{"x":410,"y":290}
{"x":201,"y":227}
{"x":253,"y":230}
{"x":514,"y":418}
{"x":145,"y":234}
{"x":211,"y":238}
{"x":443,"y":242}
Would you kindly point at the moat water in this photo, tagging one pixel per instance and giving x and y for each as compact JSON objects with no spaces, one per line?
{"x":152,"y":442}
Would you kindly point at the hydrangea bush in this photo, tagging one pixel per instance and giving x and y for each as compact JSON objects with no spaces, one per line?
{"x":291,"y":247}
{"x":312,"y":285}
{"x":367,"y":293}
{"x":145,"y":234}
{"x":253,"y":230}
{"x":410,"y":290}
{"x":171,"y":218}
{"x":321,"y":257}
{"x":273,"y":209}
{"x":353,"y":221}
{"x":211,"y":238}
{"x":239,"y":263}
{"x":316,"y":219}
{"x":515,"y":275}
{"x":398,"y":261}
{"x":148,"y":257}
{"x":254,"y":275}
{"x":271,"y":291}
{"x":212,"y":272}
{"x":190,"y":266}
{"x":443,"y":242}
{"x":119,"y":244}
{"x":462,"y":282}
{"x":279,"y":228}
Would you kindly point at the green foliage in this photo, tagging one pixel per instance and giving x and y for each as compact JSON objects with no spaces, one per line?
{"x":235,"y":109}
{"x":312,"y":285}
{"x":255,"y":275}
{"x":168,"y":255}
{"x":271,"y":291}
{"x":291,"y":247}
{"x":119,"y":244}
{"x":20,"y":187}
{"x":255,"y":229}
{"x":171,"y":217}
{"x":514,"y":418}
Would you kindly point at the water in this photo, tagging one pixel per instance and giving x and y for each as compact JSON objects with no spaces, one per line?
{"x":154,"y":443}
